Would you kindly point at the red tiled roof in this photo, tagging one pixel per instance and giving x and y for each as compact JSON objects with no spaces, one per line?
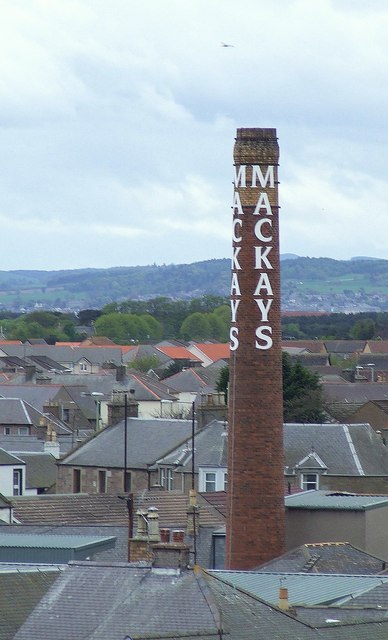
{"x":377,"y":346}
{"x":215,"y":351}
{"x":178,"y":353}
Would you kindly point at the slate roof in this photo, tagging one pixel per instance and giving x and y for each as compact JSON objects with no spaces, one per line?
{"x":32,"y":584}
{"x":344,"y":346}
{"x":7,"y":459}
{"x":66,"y":355}
{"x":311,"y":359}
{"x":211,"y":449}
{"x":191,"y":380}
{"x":379,"y":360}
{"x":355,"y":392}
{"x":326,"y":557}
{"x":147,"y":388}
{"x":188,"y":605}
{"x":144,"y":351}
{"x":36,"y":395}
{"x":353,"y":449}
{"x":41,"y":469}
{"x":147,"y":440}
{"x":128,"y":601}
{"x":46,"y":363}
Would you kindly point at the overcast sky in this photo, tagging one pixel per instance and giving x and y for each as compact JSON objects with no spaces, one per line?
{"x":118,"y":121}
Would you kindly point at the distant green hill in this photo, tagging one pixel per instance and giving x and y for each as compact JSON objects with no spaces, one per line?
{"x":307,"y":284}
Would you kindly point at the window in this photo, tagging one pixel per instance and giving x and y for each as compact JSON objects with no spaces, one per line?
{"x":7,"y":431}
{"x":83,"y":366}
{"x":76,"y":480}
{"x":225,"y":481}
{"x":309,"y":481}
{"x":102,"y":482}
{"x":17,"y":482}
{"x":210,"y":481}
{"x":65,"y":414}
{"x":166,"y":478}
{"x":23,"y":431}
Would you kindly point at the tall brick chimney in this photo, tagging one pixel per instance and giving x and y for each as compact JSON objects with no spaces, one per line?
{"x":255,"y":524}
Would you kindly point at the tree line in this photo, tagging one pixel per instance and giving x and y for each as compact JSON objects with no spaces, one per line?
{"x":200,"y":319}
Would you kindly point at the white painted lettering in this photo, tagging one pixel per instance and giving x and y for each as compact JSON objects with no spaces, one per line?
{"x":235,"y":287}
{"x":237,"y":204}
{"x":240,"y":176}
{"x":261,"y":254}
{"x":234,"y":306}
{"x":261,"y":334}
{"x":236,"y":222}
{"x":263,"y":203}
{"x":233,"y":338}
{"x":265,"y":284}
{"x":264,"y":308}
{"x":258,"y":232}
{"x":235,"y":262}
{"x":257,"y":174}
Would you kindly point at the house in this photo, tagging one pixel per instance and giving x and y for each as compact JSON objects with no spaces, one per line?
{"x":347,"y":457}
{"x":209,"y":352}
{"x":344,"y":398}
{"x":316,"y":516}
{"x":26,"y":473}
{"x":97,"y":465}
{"x":12,"y":474}
{"x":306,"y":346}
{"x":18,"y":417}
{"x":345,"y":349}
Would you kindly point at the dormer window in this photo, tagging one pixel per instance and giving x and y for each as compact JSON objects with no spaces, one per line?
{"x":309,"y":481}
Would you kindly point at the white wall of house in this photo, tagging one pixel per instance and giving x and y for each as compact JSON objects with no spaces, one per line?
{"x":212,"y":479}
{"x":13,"y":480}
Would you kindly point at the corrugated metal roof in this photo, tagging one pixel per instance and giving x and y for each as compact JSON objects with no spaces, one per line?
{"x":334,"y":500}
{"x":51,"y":542}
{"x":303,"y":589}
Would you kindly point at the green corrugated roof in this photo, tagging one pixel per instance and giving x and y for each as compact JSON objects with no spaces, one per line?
{"x":51,"y":541}
{"x":334,"y":500}
{"x":303,"y":589}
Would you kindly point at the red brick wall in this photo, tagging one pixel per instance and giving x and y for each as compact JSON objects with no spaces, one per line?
{"x":255,"y":525}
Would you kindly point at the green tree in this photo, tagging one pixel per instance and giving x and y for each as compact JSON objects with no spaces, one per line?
{"x":145,"y":363}
{"x":196,"y":327}
{"x":302,"y":393}
{"x":363,"y":329}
